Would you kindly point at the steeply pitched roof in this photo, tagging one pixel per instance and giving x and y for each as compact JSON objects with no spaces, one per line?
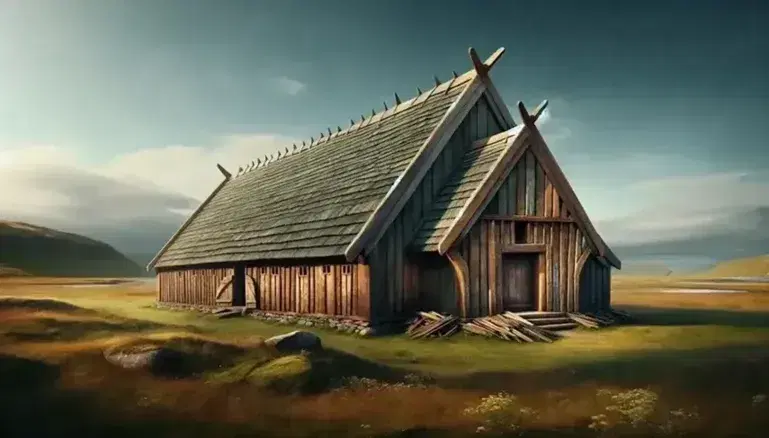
{"x":469,"y":190}
{"x":478,"y":166}
{"x":313,"y":203}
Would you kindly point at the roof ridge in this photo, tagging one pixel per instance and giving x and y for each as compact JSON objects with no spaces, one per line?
{"x":375,"y":117}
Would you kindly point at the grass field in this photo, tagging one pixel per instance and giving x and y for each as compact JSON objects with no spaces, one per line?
{"x":691,"y":363}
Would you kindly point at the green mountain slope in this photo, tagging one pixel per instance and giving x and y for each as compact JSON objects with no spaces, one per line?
{"x":46,"y":252}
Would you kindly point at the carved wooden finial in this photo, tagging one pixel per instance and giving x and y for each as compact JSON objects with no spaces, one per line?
{"x":303,"y":144}
{"x":312,"y":140}
{"x":373,"y":113}
{"x":455,"y":74}
{"x":539,"y":110}
{"x":266,"y":159}
{"x":223,"y":171}
{"x":253,"y":164}
{"x":329,"y":131}
{"x":338,"y":128}
{"x":437,"y":81}
{"x":294,"y":146}
{"x":286,"y":151}
{"x":362,"y":118}
{"x":397,"y":99}
{"x":240,"y":170}
{"x":482,"y":68}
{"x":278,"y":154}
{"x":385,"y":105}
{"x":352,"y":122}
{"x":258,"y":162}
{"x":531,"y":119}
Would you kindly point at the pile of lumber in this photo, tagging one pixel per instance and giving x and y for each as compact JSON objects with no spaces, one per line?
{"x":433,"y":324}
{"x":510,"y":327}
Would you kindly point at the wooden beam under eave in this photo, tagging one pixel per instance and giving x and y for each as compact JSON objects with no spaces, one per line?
{"x":462,"y":274}
{"x":524,"y":248}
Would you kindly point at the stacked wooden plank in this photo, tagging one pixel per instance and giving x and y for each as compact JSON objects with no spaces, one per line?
{"x":510,"y":327}
{"x":553,"y":321}
{"x":433,"y":324}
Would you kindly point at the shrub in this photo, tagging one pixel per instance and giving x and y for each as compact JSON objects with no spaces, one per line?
{"x":501,"y":412}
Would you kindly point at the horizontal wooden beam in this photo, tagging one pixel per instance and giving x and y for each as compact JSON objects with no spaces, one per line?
{"x":524,"y":218}
{"x":524,"y":248}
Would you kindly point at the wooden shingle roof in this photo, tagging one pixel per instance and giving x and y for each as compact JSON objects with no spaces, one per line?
{"x":313,"y":202}
{"x":477,"y":166}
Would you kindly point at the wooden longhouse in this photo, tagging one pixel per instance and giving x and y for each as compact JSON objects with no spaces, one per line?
{"x":441,"y":202}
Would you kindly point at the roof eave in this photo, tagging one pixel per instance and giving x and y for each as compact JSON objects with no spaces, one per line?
{"x":227,"y":177}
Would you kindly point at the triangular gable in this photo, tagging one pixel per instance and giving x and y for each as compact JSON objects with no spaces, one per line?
{"x":528,"y":138}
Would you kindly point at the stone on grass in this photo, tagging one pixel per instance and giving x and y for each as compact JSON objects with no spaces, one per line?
{"x":297,"y":340}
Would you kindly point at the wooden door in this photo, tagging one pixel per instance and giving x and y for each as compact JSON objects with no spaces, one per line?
{"x":239,"y":286}
{"x":518,"y":282}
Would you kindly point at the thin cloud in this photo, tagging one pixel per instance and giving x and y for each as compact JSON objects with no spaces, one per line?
{"x":292,"y":87}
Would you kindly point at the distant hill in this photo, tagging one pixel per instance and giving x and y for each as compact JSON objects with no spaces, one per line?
{"x":43,"y":251}
{"x":744,"y":267}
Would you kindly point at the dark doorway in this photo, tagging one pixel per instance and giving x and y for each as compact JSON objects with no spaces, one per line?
{"x":518,"y":282}
{"x":239,"y":286}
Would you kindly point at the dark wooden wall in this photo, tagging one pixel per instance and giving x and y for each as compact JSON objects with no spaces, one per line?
{"x":393,"y":295}
{"x":331,"y":289}
{"x":192,"y":286}
{"x":595,"y":286}
{"x":338,"y":289}
{"x":431,"y":275}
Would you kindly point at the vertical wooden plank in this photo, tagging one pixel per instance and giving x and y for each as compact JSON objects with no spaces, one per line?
{"x":540,"y":190}
{"x":473,"y":265}
{"x":556,"y":204}
{"x":549,"y":267}
{"x":569,"y":274}
{"x":502,"y":203}
{"x":483,"y":127}
{"x":564,"y":261}
{"x":512,"y":191}
{"x":483,"y":273}
{"x":520,"y":199}
{"x":364,"y":288}
{"x":398,"y":266}
{"x":492,"y":267}
{"x":531,"y":201}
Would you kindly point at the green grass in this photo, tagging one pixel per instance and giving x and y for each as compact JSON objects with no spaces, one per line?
{"x":709,"y":351}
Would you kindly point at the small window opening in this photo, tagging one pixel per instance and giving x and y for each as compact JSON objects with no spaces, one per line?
{"x":346,"y":269}
{"x":520,"y":232}
{"x":326,"y":269}
{"x":274,"y":270}
{"x":303,"y":270}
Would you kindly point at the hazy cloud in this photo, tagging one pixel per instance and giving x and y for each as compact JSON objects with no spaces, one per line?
{"x":50,"y":185}
{"x":289,"y":86}
{"x":688,"y":206}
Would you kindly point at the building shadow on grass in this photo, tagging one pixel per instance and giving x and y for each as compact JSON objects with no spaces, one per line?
{"x":643,"y":315}
{"x":710,"y":370}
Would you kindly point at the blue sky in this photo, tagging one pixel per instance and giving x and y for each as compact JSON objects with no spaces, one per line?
{"x":653,"y":105}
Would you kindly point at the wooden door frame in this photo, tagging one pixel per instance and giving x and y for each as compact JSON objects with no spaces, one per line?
{"x":539,"y":278}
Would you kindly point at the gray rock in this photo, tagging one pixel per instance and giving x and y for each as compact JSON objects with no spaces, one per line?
{"x":365,"y":332}
{"x":295,"y":341}
{"x":152,"y":358}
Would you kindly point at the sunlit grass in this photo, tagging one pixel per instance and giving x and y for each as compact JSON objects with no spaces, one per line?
{"x":711,"y":351}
